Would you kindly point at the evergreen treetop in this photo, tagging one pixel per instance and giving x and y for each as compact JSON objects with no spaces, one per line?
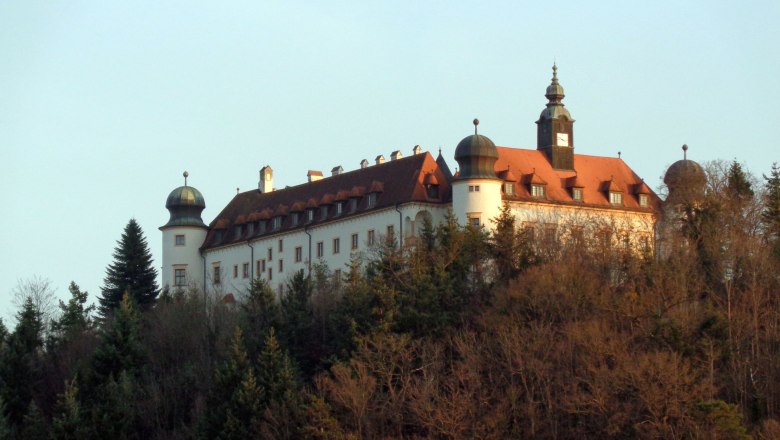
{"x":132,"y":272}
{"x":771,"y":211}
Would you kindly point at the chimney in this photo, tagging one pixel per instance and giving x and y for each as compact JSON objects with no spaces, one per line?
{"x":417,"y":149}
{"x":314,"y":175}
{"x":266,"y":183}
{"x":395,"y":155}
{"x":336,"y":170}
{"x":363,"y":164}
{"x":380,"y":160}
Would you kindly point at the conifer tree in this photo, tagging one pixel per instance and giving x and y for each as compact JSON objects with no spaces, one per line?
{"x":5,"y":424}
{"x":68,"y":422}
{"x":297,"y":321}
{"x":281,"y":397}
{"x":20,"y":369}
{"x":120,"y":349}
{"x":738,"y":184}
{"x":235,"y":397}
{"x":132,"y":272}
{"x":261,"y":312}
{"x":113,"y":412}
{"x":75,"y":318}
{"x":771,"y":212}
{"x":34,"y":426}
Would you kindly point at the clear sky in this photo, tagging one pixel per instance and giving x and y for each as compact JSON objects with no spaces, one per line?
{"x":104,"y":104}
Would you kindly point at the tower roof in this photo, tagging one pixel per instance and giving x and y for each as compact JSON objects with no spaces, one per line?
{"x":185,"y":204}
{"x":685,"y":173}
{"x":476,"y":155}
{"x":555,"y":95}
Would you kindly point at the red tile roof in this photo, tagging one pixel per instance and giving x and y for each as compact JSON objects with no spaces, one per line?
{"x":397,"y":181}
{"x":591,"y":173}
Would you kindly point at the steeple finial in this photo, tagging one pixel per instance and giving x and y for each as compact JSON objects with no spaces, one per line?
{"x":186,"y":175}
{"x":555,"y":73}
{"x":476,"y":122}
{"x":685,"y":151}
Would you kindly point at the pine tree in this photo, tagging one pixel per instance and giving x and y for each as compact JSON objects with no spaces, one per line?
{"x":282,"y":417}
{"x":132,"y":272}
{"x":113,"y":412}
{"x":261,"y":313}
{"x":771,"y":212}
{"x":297,"y":329}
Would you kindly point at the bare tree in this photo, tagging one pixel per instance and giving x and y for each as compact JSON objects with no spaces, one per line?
{"x":40,"y":291}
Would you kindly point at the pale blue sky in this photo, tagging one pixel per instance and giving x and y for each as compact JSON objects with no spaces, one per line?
{"x":104,"y":104}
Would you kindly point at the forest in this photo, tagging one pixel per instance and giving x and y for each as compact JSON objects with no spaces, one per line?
{"x":459,"y":334}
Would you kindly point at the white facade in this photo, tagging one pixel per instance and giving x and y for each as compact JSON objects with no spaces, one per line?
{"x":476,"y":201}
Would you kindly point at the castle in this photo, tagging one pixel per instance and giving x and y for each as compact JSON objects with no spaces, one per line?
{"x":271,"y":233}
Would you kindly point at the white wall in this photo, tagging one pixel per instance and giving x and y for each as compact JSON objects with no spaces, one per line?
{"x":485,"y":203}
{"x":187,"y":255}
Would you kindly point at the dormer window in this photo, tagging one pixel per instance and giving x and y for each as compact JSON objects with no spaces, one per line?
{"x":294,"y":218}
{"x":616,"y":198}
{"x":509,"y":188}
{"x":352,"y":205}
{"x":643,"y":200}
{"x":250,"y":229}
{"x":371,"y":200}
{"x":261,"y":226}
{"x":238,"y":231}
{"x":310,"y":215}
{"x":576,"y":194}
{"x":277,"y":222}
{"x":339,"y":207}
{"x":433,"y":191}
{"x":323,"y":212}
{"x":537,"y":191}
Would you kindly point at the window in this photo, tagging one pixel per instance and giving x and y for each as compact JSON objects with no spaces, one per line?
{"x":261,"y":226}
{"x":390,"y":232}
{"x":238,"y":231}
{"x":310,"y":215}
{"x":324,"y":212}
{"x":339,"y":207}
{"x":337,"y":276}
{"x":576,"y":194}
{"x":235,"y":271}
{"x":294,"y":219}
{"x":250,"y":229}
{"x":643,"y":200}
{"x":277,"y":222}
{"x":246,"y":270}
{"x":259,"y":267}
{"x":537,"y":191}
{"x":354,"y":241}
{"x":217,"y":274}
{"x":179,"y":276}
{"x":509,"y":188}
{"x":370,"y":237}
{"x":281,"y":266}
{"x":281,"y":246}
{"x":473,"y":188}
{"x":433,"y":191}
{"x":320,"y":249}
{"x":371,"y":200}
{"x":298,"y":254}
{"x":179,"y":240}
{"x":270,"y":254}
{"x":616,"y":198}
{"x":352,"y":205}
{"x":474,"y":221}
{"x":336,"y":245}
{"x":270,"y":274}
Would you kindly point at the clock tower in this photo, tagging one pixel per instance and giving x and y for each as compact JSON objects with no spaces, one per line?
{"x":555,"y":128}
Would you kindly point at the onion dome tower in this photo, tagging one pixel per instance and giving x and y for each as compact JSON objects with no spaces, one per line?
{"x":685,"y":180}
{"x":476,"y":190}
{"x":555,"y":128}
{"x":183,"y":236}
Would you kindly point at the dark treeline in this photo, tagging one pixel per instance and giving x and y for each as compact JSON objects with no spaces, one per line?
{"x":458,"y":334}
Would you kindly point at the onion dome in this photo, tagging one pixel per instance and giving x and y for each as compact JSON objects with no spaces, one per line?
{"x":185,"y":205}
{"x":476,"y":155}
{"x":685,"y":173}
{"x":555,"y":95}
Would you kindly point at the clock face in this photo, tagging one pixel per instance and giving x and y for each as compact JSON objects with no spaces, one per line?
{"x":562,"y":139}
